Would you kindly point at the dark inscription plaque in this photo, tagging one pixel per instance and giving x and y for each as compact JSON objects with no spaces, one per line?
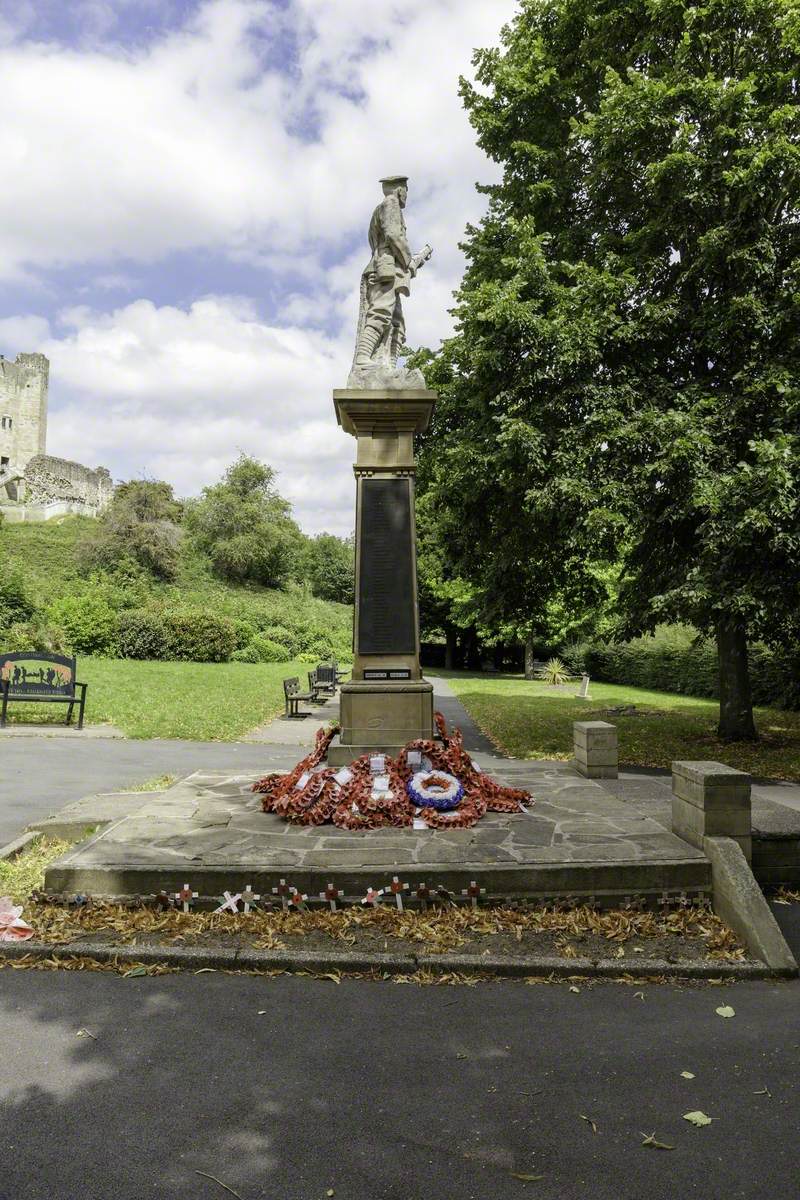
{"x":386,"y":613}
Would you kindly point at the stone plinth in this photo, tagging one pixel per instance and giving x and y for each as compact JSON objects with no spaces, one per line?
{"x":386,"y":703}
{"x":381,"y":717}
{"x":595,"y":749}
{"x":710,"y":799}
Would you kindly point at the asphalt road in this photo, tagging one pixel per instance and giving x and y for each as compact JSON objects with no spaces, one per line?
{"x":288,"y":1087}
{"x":40,"y":775}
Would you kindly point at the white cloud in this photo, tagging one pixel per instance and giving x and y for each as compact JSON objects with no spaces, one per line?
{"x":25,"y":332}
{"x":176,"y":395}
{"x":193,"y":143}
{"x":207,"y":141}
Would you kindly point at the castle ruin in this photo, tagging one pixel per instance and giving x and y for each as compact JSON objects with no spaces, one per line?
{"x":35,"y":486}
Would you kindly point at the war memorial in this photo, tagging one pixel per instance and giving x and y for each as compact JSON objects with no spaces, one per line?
{"x":382,"y":797}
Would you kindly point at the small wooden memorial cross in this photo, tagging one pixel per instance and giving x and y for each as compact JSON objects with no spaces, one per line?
{"x":331,"y":894}
{"x":163,"y":900}
{"x":297,"y":899}
{"x":283,"y":891}
{"x":372,"y":897}
{"x":229,"y":902}
{"x":473,"y":892}
{"x":185,"y":897}
{"x":249,"y":897}
{"x":424,"y":895}
{"x":397,"y":888}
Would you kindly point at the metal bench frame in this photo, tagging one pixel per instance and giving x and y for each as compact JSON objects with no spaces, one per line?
{"x":69,"y":692}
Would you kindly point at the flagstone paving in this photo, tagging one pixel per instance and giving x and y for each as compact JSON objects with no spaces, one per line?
{"x":209,"y":830}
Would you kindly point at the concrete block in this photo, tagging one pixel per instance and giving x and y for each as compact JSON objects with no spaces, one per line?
{"x":709,"y":773}
{"x":595,"y":749}
{"x":710,"y":799}
{"x":592,"y":771}
{"x":712,"y":795}
{"x":739,"y":902}
{"x":727,"y":822}
{"x":597,"y":758}
{"x":594,"y":733}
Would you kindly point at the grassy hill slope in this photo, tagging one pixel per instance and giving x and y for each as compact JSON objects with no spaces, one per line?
{"x":45,"y":556}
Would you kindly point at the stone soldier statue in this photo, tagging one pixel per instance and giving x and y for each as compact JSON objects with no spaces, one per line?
{"x":386,"y":277}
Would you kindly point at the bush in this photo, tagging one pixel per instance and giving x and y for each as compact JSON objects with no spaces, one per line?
{"x":89,"y":623}
{"x":283,"y":637}
{"x":194,"y":635}
{"x":36,"y":635}
{"x":15,"y":604}
{"x":183,"y":634}
{"x":267,"y":650}
{"x":245,"y":632}
{"x":248,"y":654}
{"x":674,"y":661}
{"x":143,"y":634}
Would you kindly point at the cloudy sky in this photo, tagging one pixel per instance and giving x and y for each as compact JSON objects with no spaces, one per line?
{"x":184,"y":198}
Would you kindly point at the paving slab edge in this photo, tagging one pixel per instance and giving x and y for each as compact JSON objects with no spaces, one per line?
{"x":235,"y":959}
{"x":12,"y":849}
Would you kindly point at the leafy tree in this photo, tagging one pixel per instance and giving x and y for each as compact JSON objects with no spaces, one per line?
{"x":329,"y":564}
{"x":139,"y":531}
{"x":624,"y":380}
{"x":243,"y":526}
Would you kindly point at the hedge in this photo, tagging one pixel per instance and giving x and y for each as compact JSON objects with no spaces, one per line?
{"x":691,"y":670}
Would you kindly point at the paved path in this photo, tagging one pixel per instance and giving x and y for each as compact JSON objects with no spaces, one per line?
{"x":285,"y":1088}
{"x":39,"y":776}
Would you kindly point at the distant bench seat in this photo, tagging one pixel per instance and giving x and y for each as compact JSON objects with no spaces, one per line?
{"x":28,"y":678}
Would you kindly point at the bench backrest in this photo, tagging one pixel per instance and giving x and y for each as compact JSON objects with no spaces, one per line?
{"x":325,"y":674}
{"x":31,"y":674}
{"x":290,"y":686}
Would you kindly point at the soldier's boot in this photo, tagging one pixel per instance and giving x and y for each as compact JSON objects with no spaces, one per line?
{"x":367,"y":344}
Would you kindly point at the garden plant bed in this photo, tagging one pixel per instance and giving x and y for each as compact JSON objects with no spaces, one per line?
{"x":690,"y":935}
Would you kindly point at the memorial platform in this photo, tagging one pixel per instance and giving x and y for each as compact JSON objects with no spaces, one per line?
{"x":208,"y":830}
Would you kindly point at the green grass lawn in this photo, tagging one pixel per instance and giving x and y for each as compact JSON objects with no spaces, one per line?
{"x":201,"y":701}
{"x":528,"y":719}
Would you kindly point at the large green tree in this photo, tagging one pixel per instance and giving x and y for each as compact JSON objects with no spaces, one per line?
{"x":624,"y":381}
{"x":244,"y":526}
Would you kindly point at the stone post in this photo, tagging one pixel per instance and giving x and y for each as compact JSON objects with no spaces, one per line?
{"x":711,"y":800}
{"x":386,"y":703}
{"x":595,"y":748}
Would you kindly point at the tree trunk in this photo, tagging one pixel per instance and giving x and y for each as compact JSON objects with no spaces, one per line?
{"x":450,"y":648}
{"x":529,"y":673}
{"x":736,"y":722}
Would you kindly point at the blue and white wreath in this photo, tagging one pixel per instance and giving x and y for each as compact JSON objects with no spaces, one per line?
{"x":435,"y":789}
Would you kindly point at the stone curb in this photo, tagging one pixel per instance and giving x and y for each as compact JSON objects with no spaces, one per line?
{"x":12,"y":849}
{"x":740,"y":903}
{"x":234,"y":959}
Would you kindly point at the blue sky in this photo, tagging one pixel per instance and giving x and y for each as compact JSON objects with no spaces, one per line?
{"x":186,"y":192}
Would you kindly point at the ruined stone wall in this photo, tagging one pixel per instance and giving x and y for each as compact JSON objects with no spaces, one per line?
{"x":23,"y":408}
{"x":48,"y":478}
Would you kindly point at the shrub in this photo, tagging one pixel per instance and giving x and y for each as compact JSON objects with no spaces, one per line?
{"x":553,"y":672}
{"x":138,"y":529}
{"x":15,"y":604}
{"x":35,"y":634}
{"x":143,"y":634}
{"x":195,"y":635}
{"x":282,"y":636}
{"x":267,"y":650}
{"x":674,"y":660}
{"x":248,"y":654}
{"x":245,"y":632}
{"x":88,"y":621}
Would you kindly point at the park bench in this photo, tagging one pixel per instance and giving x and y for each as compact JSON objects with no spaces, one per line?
{"x":28,"y":678}
{"x":325,"y":678}
{"x":293,"y":696}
